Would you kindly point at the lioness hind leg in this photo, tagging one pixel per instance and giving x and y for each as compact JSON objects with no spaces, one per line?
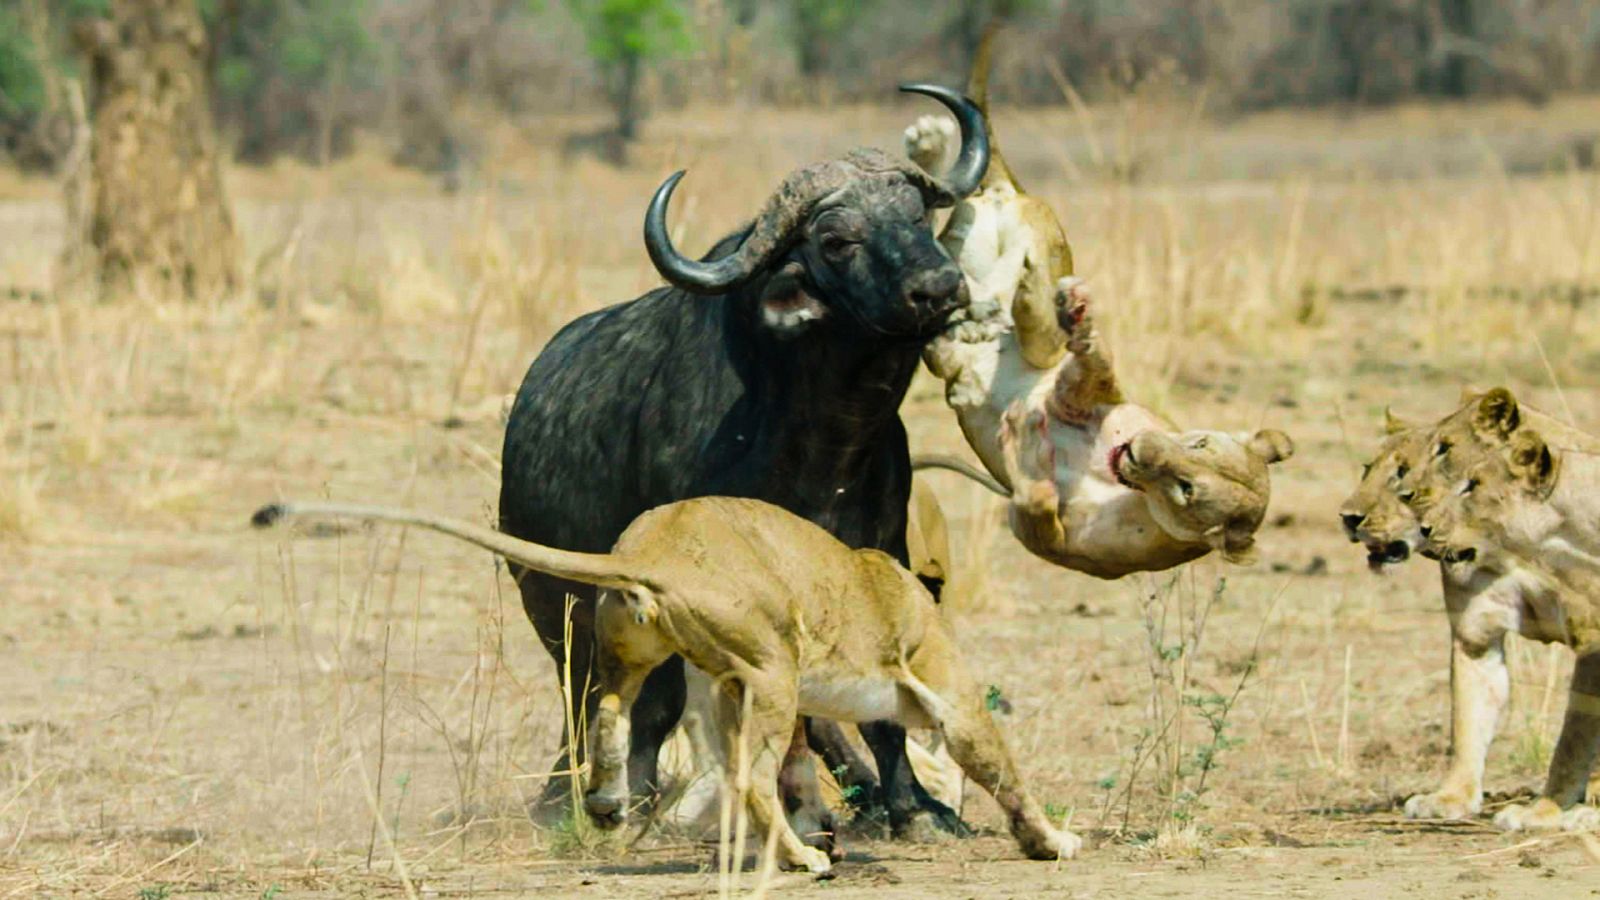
{"x":759,"y":741}
{"x":1480,"y":685}
{"x":627,"y":652}
{"x":978,"y":747}
{"x":1561,"y":806}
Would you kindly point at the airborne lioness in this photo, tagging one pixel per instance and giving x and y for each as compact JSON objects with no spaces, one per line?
{"x":1484,"y":602}
{"x":1543,"y":590}
{"x":1097,"y":484}
{"x":789,"y":619}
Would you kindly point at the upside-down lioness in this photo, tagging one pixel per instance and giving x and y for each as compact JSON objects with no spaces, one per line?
{"x":1402,"y":505}
{"x":1097,"y":484}
{"x":788,"y":619}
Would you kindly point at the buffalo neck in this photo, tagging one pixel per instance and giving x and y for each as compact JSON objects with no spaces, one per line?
{"x":832,"y":400}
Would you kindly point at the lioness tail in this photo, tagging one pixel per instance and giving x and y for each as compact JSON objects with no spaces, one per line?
{"x":599,"y":569}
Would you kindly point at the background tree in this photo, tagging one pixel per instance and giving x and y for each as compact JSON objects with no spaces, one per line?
{"x":818,"y":24}
{"x":36,"y":63}
{"x":159,"y":222}
{"x":621,"y":36}
{"x":288,"y":73}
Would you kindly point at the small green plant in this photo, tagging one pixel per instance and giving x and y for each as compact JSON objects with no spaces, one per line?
{"x":576,"y":835}
{"x":850,"y":793}
{"x":1179,"y":765}
{"x":155,"y":892}
{"x":1531,"y":753}
{"x":994,"y":701}
{"x":271,"y":893}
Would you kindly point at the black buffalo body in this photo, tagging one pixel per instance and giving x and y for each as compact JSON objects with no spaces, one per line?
{"x":773,"y":369}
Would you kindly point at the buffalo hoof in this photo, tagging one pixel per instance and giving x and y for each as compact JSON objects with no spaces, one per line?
{"x":608,"y":810}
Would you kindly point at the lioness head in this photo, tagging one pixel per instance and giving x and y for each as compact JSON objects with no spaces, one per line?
{"x":1498,"y":495}
{"x":1483,"y":422}
{"x":1374,"y":516}
{"x":1205,"y":487}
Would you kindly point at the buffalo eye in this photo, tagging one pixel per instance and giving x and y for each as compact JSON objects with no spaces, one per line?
{"x":836,"y":246}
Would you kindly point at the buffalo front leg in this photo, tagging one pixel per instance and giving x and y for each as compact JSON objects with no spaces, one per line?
{"x":914,"y":814}
{"x":1561,"y":805}
{"x":1480,"y":685}
{"x":656,"y":712}
{"x":567,"y":633}
{"x":849,"y":768}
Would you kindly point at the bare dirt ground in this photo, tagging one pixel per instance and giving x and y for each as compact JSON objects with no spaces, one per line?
{"x":189,"y":708}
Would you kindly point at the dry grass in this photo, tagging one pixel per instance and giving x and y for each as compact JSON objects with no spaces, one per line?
{"x":190,"y":707}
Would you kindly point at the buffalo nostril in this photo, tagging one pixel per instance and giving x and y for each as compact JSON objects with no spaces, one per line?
{"x":933,"y":289}
{"x":1353,"y":521}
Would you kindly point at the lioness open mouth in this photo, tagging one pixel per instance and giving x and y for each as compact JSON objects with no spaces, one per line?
{"x":1118,"y":454}
{"x":1392,"y":552}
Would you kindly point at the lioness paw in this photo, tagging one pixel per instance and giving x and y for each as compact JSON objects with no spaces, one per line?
{"x":810,"y":859}
{"x":1058,"y":845}
{"x":1441,"y":805}
{"x":1545,"y":815}
{"x":928,"y":141}
{"x":1072,"y":310}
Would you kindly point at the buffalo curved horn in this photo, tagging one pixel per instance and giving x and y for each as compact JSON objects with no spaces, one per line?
{"x":973,"y":160}
{"x":688,"y":274}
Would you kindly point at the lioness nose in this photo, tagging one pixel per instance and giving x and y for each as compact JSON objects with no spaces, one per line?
{"x":1427,"y":531}
{"x":933,"y":288}
{"x":1352,"y":521}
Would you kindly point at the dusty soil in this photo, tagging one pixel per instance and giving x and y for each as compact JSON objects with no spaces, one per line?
{"x":190,"y":708}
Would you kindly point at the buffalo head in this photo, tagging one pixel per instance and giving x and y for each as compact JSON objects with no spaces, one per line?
{"x":846,"y":239}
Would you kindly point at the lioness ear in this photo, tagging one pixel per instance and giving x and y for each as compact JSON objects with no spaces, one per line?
{"x":1393,"y":424}
{"x":1271,"y":445}
{"x":1497,"y":415}
{"x":1534,"y":463}
{"x":786,"y":307}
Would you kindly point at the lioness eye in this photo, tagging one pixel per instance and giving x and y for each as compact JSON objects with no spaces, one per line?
{"x":1186,"y":488}
{"x":1442,"y":448}
{"x":1366,"y":470}
{"x":1401,"y":470}
{"x":1470,"y":486}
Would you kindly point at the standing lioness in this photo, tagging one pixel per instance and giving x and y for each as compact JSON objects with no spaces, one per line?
{"x":788,"y":619}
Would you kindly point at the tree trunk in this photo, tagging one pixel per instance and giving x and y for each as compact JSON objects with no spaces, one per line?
{"x":160,"y":226}
{"x":626,"y":98}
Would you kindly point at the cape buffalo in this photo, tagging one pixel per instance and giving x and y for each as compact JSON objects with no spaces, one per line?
{"x":772,"y":369}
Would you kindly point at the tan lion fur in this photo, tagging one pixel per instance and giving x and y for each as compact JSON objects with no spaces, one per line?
{"x":788,"y":621}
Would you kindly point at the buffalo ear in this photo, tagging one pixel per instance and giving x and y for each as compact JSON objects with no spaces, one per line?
{"x":1272,"y":445}
{"x":1534,"y":463}
{"x":1497,"y":415}
{"x":786,"y":307}
{"x":1393,"y":424}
